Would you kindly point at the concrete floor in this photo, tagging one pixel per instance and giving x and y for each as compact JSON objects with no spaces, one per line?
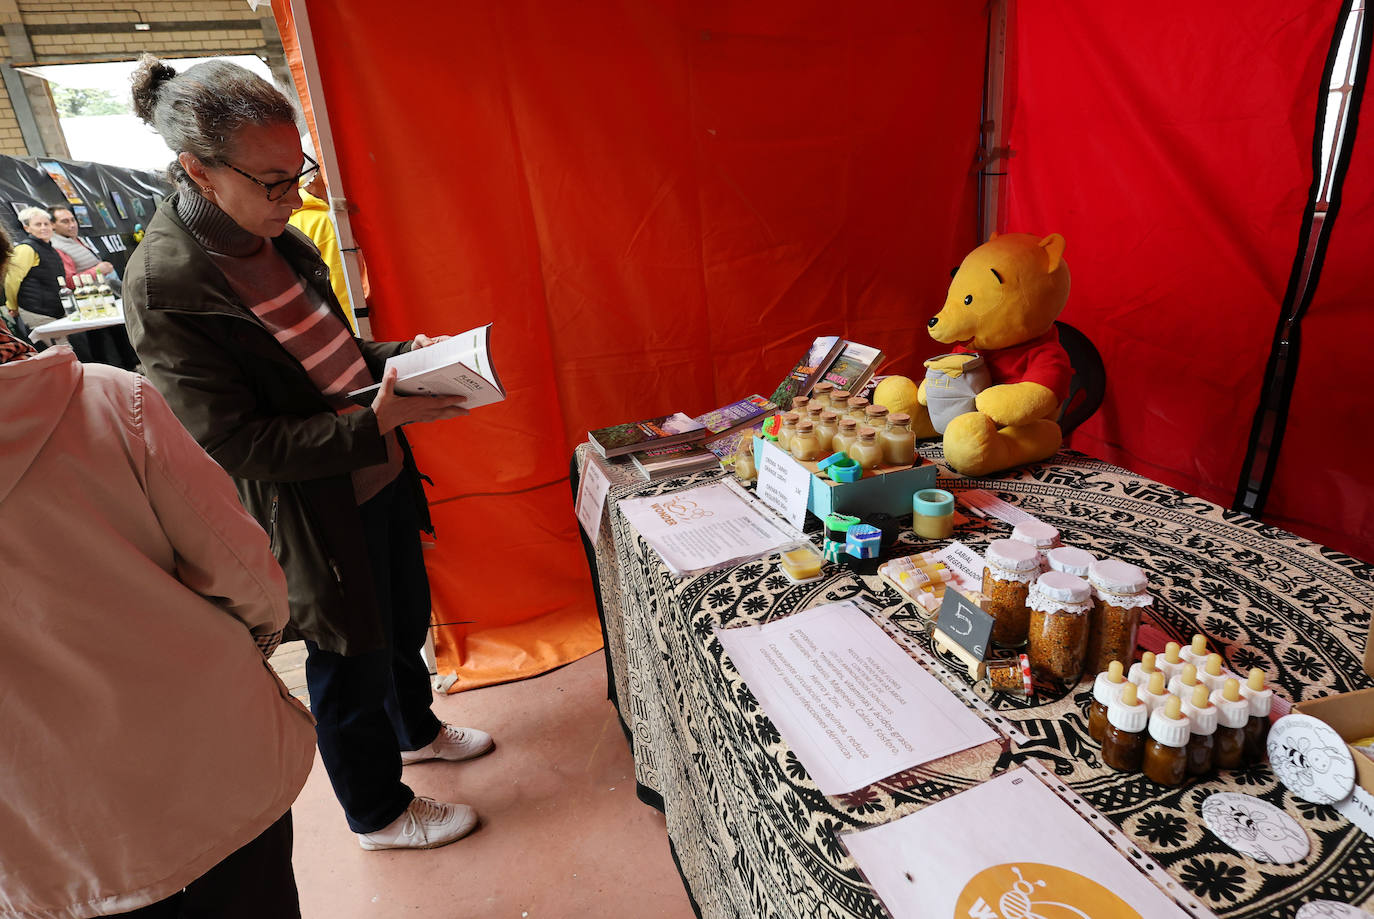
{"x":562,"y":835}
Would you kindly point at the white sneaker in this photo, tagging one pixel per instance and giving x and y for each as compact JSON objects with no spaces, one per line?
{"x":425,"y":824}
{"x":452,"y":744}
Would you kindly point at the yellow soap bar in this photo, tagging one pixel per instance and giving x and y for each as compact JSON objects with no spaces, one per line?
{"x":802,"y":563}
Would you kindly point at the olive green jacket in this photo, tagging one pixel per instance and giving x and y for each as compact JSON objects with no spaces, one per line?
{"x":255,"y":410}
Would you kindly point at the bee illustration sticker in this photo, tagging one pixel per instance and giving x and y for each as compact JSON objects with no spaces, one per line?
{"x":1029,"y":890}
{"x":1255,"y":828}
{"x":1311,"y":760}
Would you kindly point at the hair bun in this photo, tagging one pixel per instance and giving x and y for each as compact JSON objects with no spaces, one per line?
{"x":147,"y":82}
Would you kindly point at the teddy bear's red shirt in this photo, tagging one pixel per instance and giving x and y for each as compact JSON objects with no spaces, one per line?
{"x":1041,"y":360}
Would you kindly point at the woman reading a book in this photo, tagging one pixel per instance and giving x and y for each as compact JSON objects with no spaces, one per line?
{"x":235,"y":322}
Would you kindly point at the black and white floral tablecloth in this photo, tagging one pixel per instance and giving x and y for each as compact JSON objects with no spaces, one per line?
{"x":753,"y":835}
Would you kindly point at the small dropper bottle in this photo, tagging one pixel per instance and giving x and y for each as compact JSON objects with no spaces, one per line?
{"x":1202,"y":719}
{"x":1166,"y":755}
{"x":1123,"y":746}
{"x":1261,"y":699}
{"x":1106,"y":690}
{"x":1233,"y":713}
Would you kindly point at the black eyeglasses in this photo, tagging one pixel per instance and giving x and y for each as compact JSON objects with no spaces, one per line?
{"x":278,"y":190}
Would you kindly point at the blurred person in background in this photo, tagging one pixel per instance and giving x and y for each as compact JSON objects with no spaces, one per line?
{"x":31,"y":278}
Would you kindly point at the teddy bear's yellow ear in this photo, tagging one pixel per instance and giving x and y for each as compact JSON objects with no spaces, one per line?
{"x":1054,"y":248}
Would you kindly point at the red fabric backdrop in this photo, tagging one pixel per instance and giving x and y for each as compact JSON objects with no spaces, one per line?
{"x":659,"y":205}
{"x":1171,"y":144}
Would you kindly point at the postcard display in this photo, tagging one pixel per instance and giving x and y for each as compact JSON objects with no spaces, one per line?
{"x":109,"y":202}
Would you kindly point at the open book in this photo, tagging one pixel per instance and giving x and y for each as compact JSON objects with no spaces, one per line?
{"x":460,"y":366}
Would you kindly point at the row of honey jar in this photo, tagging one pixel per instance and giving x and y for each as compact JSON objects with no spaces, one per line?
{"x":832,"y":421}
{"x":1069,"y":609}
{"x":1197,"y":721}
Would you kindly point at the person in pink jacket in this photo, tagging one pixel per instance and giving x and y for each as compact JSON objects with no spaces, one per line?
{"x":148,"y":753}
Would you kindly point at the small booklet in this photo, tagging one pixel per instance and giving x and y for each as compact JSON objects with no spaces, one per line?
{"x":633,"y":436}
{"x":807,"y":372}
{"x":854,"y":366}
{"x":460,"y":366}
{"x":721,"y":421}
{"x":679,"y":459}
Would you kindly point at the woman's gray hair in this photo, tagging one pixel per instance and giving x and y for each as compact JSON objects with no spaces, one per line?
{"x":29,"y":213}
{"x":201,"y":111}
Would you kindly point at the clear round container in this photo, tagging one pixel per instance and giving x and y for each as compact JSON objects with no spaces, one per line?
{"x":1058,"y":630}
{"x":1009,"y":569}
{"x":1119,"y":596}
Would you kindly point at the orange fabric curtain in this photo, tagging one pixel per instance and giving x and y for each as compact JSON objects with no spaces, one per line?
{"x":659,"y":206}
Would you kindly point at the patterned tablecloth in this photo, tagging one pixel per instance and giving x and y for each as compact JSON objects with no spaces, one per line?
{"x":753,"y":835}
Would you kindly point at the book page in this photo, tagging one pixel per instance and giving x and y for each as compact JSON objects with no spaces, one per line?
{"x":458,"y":366}
{"x":849,"y":701}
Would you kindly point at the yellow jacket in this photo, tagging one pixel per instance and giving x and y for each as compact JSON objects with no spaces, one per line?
{"x":312,"y":219}
{"x":22,"y":260}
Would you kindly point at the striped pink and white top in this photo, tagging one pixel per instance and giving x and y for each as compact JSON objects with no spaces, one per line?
{"x":314,"y":335}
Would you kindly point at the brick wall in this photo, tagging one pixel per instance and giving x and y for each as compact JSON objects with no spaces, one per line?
{"x":11,"y":140}
{"x":73,"y":31}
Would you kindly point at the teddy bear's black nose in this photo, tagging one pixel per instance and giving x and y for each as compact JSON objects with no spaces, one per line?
{"x":933,"y":320}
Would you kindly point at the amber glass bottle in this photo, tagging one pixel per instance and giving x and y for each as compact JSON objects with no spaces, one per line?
{"x":1166,"y":754}
{"x":1106,"y":690}
{"x":1233,"y":712}
{"x":1123,"y":746}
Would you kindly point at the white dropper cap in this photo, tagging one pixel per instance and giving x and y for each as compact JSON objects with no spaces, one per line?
{"x":1170,"y":661}
{"x":1232,"y":710}
{"x":1141,"y":669}
{"x":1185,"y":681}
{"x":1169,"y":725}
{"x":1202,"y":714}
{"x":1155,"y":695}
{"x":1109,"y":683}
{"x":1196,"y":652}
{"x":1211,"y":673}
{"x":1260,"y":696}
{"x":1128,"y":713}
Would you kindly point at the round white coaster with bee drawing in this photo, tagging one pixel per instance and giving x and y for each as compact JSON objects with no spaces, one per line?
{"x":1255,"y":828}
{"x":1311,"y":760}
{"x":1331,"y":909}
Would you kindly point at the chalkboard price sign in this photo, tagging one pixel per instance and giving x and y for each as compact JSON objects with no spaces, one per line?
{"x":964,"y":623}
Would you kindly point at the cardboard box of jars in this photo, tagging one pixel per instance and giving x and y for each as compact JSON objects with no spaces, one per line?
{"x":884,"y":489}
{"x":1352,"y":715}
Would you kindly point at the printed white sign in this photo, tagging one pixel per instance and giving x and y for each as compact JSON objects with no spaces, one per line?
{"x":591,"y":497}
{"x":784,"y":484}
{"x":937,"y":861}
{"x":849,"y":701}
{"x":965,"y":565}
{"x":703,"y":528}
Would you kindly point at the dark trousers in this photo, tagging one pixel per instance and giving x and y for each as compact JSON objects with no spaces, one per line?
{"x":369,"y":707}
{"x":254,"y":881}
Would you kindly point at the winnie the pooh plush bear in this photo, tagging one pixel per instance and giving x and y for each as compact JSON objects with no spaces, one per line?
{"x":1002,"y":304}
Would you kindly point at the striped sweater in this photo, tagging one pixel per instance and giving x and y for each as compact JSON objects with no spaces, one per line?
{"x":296,"y":315}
